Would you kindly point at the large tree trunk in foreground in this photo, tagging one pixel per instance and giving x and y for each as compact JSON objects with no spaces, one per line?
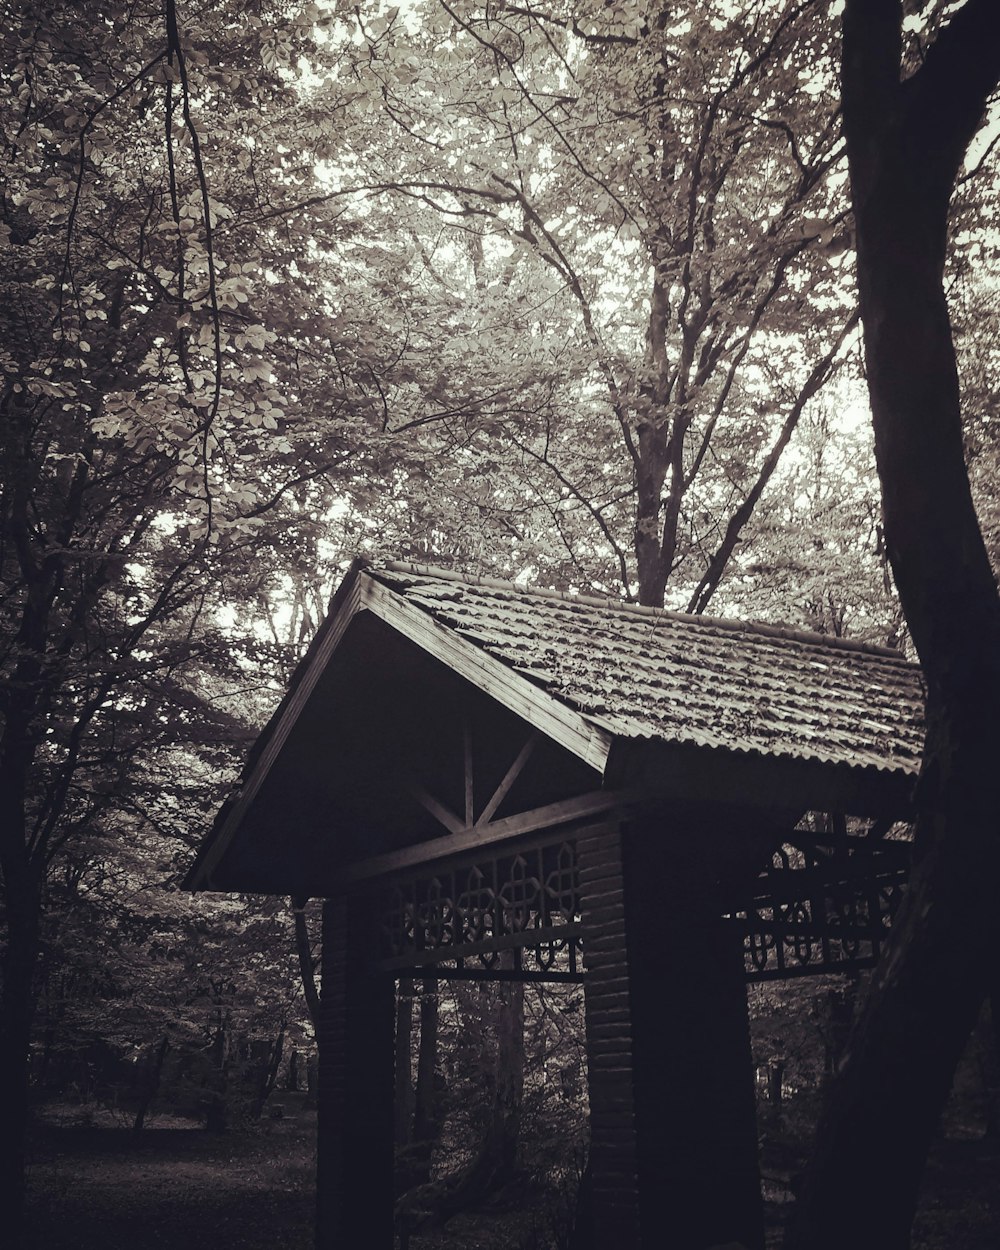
{"x":906,"y":141}
{"x":23,"y":907}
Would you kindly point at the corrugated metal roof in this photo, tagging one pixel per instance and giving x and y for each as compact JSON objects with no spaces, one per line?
{"x":643,"y":673}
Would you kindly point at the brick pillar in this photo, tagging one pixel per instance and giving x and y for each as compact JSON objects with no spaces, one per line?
{"x":673,"y":1117}
{"x":614,"y":1174}
{"x":355,"y":1039}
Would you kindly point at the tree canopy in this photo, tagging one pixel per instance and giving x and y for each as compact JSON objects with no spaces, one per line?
{"x":563,"y":293}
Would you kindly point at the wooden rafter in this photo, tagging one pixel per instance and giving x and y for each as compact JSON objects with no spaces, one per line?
{"x":443,"y":815}
{"x":470,"y":794}
{"x":511,"y":775}
{"x":449,"y":819}
{"x":552,"y":815}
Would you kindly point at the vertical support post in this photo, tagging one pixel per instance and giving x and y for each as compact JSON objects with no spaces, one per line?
{"x":696,"y":1104}
{"x":614,"y":1170}
{"x":673,"y":1117}
{"x":355,"y":1039}
{"x":470,"y":799}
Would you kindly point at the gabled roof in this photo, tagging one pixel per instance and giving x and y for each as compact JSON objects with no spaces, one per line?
{"x":645,"y":673}
{"x":594,"y":675}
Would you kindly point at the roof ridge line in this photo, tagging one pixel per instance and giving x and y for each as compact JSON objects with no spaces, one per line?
{"x":639,"y":609}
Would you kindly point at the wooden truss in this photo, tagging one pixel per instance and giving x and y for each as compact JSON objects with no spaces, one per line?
{"x":491,"y":898}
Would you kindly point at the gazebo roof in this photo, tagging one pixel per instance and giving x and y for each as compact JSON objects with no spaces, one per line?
{"x":647,"y":673}
{"x":705,"y":709}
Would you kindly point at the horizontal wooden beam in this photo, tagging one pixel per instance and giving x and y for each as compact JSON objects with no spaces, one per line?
{"x":488,"y":974}
{"x":524,"y":939}
{"x":552,"y":815}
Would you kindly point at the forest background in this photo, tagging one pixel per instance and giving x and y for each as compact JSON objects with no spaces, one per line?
{"x":564,"y":294}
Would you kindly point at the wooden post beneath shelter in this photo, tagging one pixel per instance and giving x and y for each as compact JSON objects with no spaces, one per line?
{"x":614,"y":1169}
{"x":356,"y":1053}
{"x":673,"y":1119}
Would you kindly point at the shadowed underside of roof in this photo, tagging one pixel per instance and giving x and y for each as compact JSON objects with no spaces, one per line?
{"x":641,"y":673}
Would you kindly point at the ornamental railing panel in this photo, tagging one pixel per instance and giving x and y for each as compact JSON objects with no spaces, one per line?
{"x":511,"y":915}
{"x":819,"y":906}
{"x":822,"y":909}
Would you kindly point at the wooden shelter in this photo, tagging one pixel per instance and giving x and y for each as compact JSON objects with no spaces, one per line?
{"x":485,"y":780}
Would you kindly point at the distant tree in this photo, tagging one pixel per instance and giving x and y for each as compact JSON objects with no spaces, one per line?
{"x":915,"y":92}
{"x":176,"y":372}
{"x":626,"y":225}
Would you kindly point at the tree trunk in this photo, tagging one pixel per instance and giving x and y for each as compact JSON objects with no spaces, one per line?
{"x":217,"y":1109}
{"x":292,"y":1075}
{"x":23,"y":903}
{"x":151,"y":1083}
{"x":509,"y":1095}
{"x":426,"y":1111}
{"x":494,"y":1163}
{"x":267,"y":1075}
{"x":312,"y":1079}
{"x":905,"y":144}
{"x":307,"y":963}
{"x":775,"y":1084}
{"x":403,"y":1099}
{"x":841,"y":1005}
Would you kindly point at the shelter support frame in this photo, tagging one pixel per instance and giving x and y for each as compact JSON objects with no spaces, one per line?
{"x":634,"y":908}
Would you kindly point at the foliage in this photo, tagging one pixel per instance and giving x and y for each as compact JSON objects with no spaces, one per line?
{"x":547,"y":293}
{"x":621,"y":247}
{"x":815,"y":555}
{"x":149,"y":423}
{"x":130,"y":964}
{"x":510,"y":1088}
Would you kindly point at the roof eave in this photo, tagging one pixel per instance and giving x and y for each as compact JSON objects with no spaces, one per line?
{"x":689,"y":771}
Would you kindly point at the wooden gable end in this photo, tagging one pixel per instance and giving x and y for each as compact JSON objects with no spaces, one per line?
{"x":396,"y":732}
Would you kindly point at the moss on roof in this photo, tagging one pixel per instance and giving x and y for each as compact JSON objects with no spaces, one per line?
{"x":644,"y":673}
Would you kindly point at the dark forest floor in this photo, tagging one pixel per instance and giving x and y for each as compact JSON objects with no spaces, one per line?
{"x":181,"y":1188}
{"x":172,"y":1188}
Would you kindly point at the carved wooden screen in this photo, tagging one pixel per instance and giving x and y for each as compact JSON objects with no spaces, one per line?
{"x":823,"y":903}
{"x":507,"y":915}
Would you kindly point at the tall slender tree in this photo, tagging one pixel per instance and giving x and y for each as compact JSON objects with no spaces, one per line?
{"x":915,"y":92}
{"x":149,"y":420}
